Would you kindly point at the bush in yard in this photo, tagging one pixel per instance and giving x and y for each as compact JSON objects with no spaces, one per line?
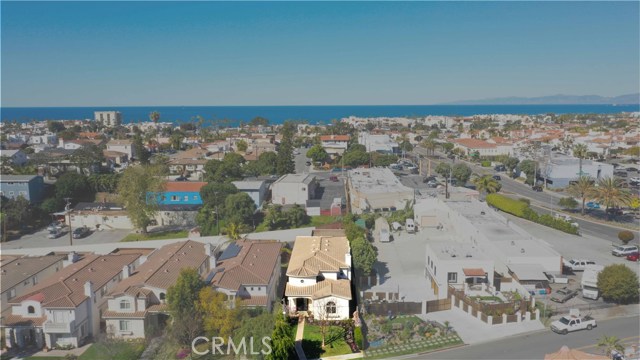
{"x":625,"y":236}
{"x":357,"y":335}
{"x":618,"y":283}
{"x":486,"y":164}
{"x":568,"y":203}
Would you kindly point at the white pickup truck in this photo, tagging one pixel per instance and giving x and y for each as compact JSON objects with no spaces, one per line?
{"x":570,"y":323}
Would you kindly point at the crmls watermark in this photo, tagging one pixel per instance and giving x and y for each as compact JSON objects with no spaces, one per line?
{"x":233,"y":347}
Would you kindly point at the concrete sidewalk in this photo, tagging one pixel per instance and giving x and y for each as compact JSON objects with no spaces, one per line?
{"x":299,"y":337}
{"x":474,"y":331}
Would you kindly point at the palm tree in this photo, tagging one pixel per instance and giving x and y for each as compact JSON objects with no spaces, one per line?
{"x":611,"y":193}
{"x":486,"y":184}
{"x":580,"y":151}
{"x":430,"y":145}
{"x":610,"y":343}
{"x":233,"y":230}
{"x":583,"y":188}
{"x":154,"y":116}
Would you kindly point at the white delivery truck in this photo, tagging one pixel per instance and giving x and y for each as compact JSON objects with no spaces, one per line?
{"x":410,"y":225}
{"x":590,"y":282}
{"x":382,"y":230}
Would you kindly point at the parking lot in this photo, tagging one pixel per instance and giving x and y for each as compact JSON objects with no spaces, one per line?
{"x":329,"y":189}
{"x":39,"y":239}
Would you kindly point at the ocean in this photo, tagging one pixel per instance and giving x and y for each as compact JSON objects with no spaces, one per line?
{"x":311,"y":114}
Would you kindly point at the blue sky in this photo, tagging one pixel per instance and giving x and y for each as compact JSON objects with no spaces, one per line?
{"x":309,"y":53}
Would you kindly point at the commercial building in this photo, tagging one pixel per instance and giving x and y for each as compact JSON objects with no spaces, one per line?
{"x":561,"y":170}
{"x":378,"y":143}
{"x":181,"y":193}
{"x":18,"y":274}
{"x":376,"y":189}
{"x":482,"y":147}
{"x":319,"y":277}
{"x":257,"y":190}
{"x":64,"y":310}
{"x":294,"y":189}
{"x":108,"y":118}
{"x":105,"y":216}
{"x":138,"y":303}
{"x":248,"y":272}
{"x":30,"y":187}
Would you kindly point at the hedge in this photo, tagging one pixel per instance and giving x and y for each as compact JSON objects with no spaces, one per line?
{"x":522,"y":210}
{"x":357,"y":335}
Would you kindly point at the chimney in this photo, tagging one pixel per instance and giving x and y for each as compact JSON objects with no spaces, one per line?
{"x":88,"y":289}
{"x":211,"y":253}
{"x":125,"y":272}
{"x":347,"y":259}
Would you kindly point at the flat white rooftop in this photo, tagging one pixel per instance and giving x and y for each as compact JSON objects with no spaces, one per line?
{"x":376,"y":180}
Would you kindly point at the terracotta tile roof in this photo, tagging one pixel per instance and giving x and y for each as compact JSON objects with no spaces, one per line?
{"x":474,"y":143}
{"x":119,"y":142}
{"x":473,"y":272}
{"x":195,"y":153}
{"x":255,"y":301}
{"x":335,"y":138}
{"x":162,"y":267}
{"x":158,"y":308}
{"x":125,"y":315}
{"x":17,"y":320}
{"x":66,"y":287}
{"x":188,"y":186}
{"x":322,"y":289}
{"x":253,"y":264}
{"x":312,"y":254}
{"x":16,"y":269}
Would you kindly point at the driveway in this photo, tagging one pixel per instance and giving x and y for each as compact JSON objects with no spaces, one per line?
{"x":39,"y":239}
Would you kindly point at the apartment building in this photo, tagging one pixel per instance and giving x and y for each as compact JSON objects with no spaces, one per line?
{"x":294,"y":189}
{"x":335,"y":144}
{"x":108,"y":118}
{"x":30,"y":187}
{"x":376,"y":189}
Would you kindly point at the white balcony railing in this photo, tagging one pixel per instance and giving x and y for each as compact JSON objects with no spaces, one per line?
{"x":59,"y":328}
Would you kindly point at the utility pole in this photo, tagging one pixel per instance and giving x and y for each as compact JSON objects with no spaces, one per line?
{"x":67,"y":208}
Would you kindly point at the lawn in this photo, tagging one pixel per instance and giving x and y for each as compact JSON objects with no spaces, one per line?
{"x":334,"y":342}
{"x":156,"y":236}
{"x":120,"y":350}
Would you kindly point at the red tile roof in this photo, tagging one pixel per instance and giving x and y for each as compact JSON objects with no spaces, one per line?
{"x":474,"y":143}
{"x":335,"y":138}
{"x":253,"y":265}
{"x":188,"y":186}
{"x":473,"y":272}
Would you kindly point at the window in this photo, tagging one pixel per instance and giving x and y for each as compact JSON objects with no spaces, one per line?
{"x":195,"y":197}
{"x":331,"y":307}
{"x":174,"y":198}
{"x":252,"y":288}
{"x":31,"y":310}
{"x":124,"y":325}
{"x":186,"y":198}
{"x":452,"y":277}
{"x":435,"y":270}
{"x":162,"y":296}
{"x":35,"y":279}
{"x":12,"y":293}
{"x":124,"y":304}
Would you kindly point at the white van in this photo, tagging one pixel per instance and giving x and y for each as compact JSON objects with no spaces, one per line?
{"x":410,"y":226}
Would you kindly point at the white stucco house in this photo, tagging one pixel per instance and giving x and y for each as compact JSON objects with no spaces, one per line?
{"x":294,"y":189}
{"x":319,"y":278}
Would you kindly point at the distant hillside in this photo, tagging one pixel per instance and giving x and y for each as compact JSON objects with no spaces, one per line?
{"x":559,"y":99}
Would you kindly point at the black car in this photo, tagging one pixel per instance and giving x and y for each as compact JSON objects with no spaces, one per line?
{"x":614,"y":211}
{"x":631,"y":169}
{"x":500,"y":168}
{"x":428,"y":179}
{"x":620,"y":174}
{"x":80,"y":232}
{"x":308,"y":163}
{"x":497,"y":177}
{"x":537,"y":188}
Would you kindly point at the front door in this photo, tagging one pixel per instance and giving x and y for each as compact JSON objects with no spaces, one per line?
{"x":301,"y":304}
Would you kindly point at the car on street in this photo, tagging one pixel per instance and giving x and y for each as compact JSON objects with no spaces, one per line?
{"x":578,"y":264}
{"x":429,"y":179}
{"x":622,"y":174}
{"x":537,"y":188}
{"x":631,"y":169}
{"x":615,"y":211}
{"x":500,"y":168}
{"x":593,"y":205}
{"x":563,"y":295}
{"x":635,"y":179}
{"x":333,"y":178}
{"x":80,"y":232}
{"x":497,"y":177}
{"x":55,"y":234}
{"x":634,"y":256}
{"x":54,"y":226}
{"x":624,"y":250}
{"x":567,"y":324}
{"x":308,"y":163}
{"x":432,"y":184}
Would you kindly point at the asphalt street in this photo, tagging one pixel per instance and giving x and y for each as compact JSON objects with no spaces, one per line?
{"x":536,"y":345}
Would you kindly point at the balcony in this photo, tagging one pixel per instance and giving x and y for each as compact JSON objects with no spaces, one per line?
{"x":59,"y":328}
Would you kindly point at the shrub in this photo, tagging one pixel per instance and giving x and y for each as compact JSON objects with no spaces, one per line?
{"x":625,"y":236}
{"x":618,"y":283}
{"x":568,"y":203}
{"x":357,"y":334}
{"x":525,"y":200}
{"x":513,"y":207}
{"x":486,"y":164}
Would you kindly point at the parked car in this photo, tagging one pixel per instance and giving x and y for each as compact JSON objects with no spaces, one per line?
{"x":634,"y":256}
{"x":429,"y":179}
{"x":54,"y":226}
{"x":500,"y":168}
{"x":333,"y":178}
{"x":615,"y":211}
{"x":308,"y":163}
{"x":622,"y":174}
{"x":432,"y":184}
{"x":624,"y":250}
{"x":563,"y":295}
{"x":593,"y":205}
{"x":537,"y":188}
{"x":578,"y":265}
{"x":415,"y":171}
{"x":80,"y":232}
{"x":631,"y":169}
{"x":56,"y":233}
{"x":497,"y":177}
{"x":635,"y":179}
{"x":570,"y":323}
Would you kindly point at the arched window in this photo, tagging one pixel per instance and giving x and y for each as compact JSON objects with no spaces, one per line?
{"x":331,"y":307}
{"x":31,"y":310}
{"x":162,"y":296}
{"x":124,"y":304}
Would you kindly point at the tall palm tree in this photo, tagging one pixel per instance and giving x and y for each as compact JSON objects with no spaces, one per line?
{"x":580,"y":151}
{"x":486,"y":184}
{"x":154,"y":116}
{"x":611,"y":193}
{"x":610,"y":343}
{"x":430,"y":145}
{"x":584,"y":188}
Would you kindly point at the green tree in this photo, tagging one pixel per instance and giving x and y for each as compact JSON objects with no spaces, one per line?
{"x":182,"y":300}
{"x":511,"y":163}
{"x":296,"y":216}
{"x":176,"y":140}
{"x":443,"y":169}
{"x":583,"y":188}
{"x":580,"y":151}
{"x":568,"y":203}
{"x":430,"y":145}
{"x":259,"y":121}
{"x":239,"y":208}
{"x":487,"y":184}
{"x":529,"y":168}
{"x":137,"y":190}
{"x":282,"y":341}
{"x":618,"y":283}
{"x":379,"y":159}
{"x":140,"y":150}
{"x":284,"y":161}
{"x":610,"y":343}
{"x":154,"y":116}
{"x":242,"y":145}
{"x":267,"y":163}
{"x":611,"y":193}
{"x":74,"y":186}
{"x":317,"y":153}
{"x":355,"y":158}
{"x":17,"y":213}
{"x":233,"y":230}
{"x":55,"y":126}
{"x":364,"y":255}
{"x":214,"y":193}
{"x":219,"y":319}
{"x":208,"y":220}
{"x":461,"y":172}
{"x":625,"y":236}
{"x":211,"y":170}
{"x":406,"y":146}
{"x":447,"y":147}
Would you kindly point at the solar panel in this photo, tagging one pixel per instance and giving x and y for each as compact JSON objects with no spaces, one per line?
{"x":231,"y":251}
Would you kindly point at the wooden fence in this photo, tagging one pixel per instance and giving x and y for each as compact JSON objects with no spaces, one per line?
{"x":394,"y":308}
{"x":438,"y":305}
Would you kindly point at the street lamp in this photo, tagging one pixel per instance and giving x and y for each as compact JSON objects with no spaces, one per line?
{"x":67,"y":209}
